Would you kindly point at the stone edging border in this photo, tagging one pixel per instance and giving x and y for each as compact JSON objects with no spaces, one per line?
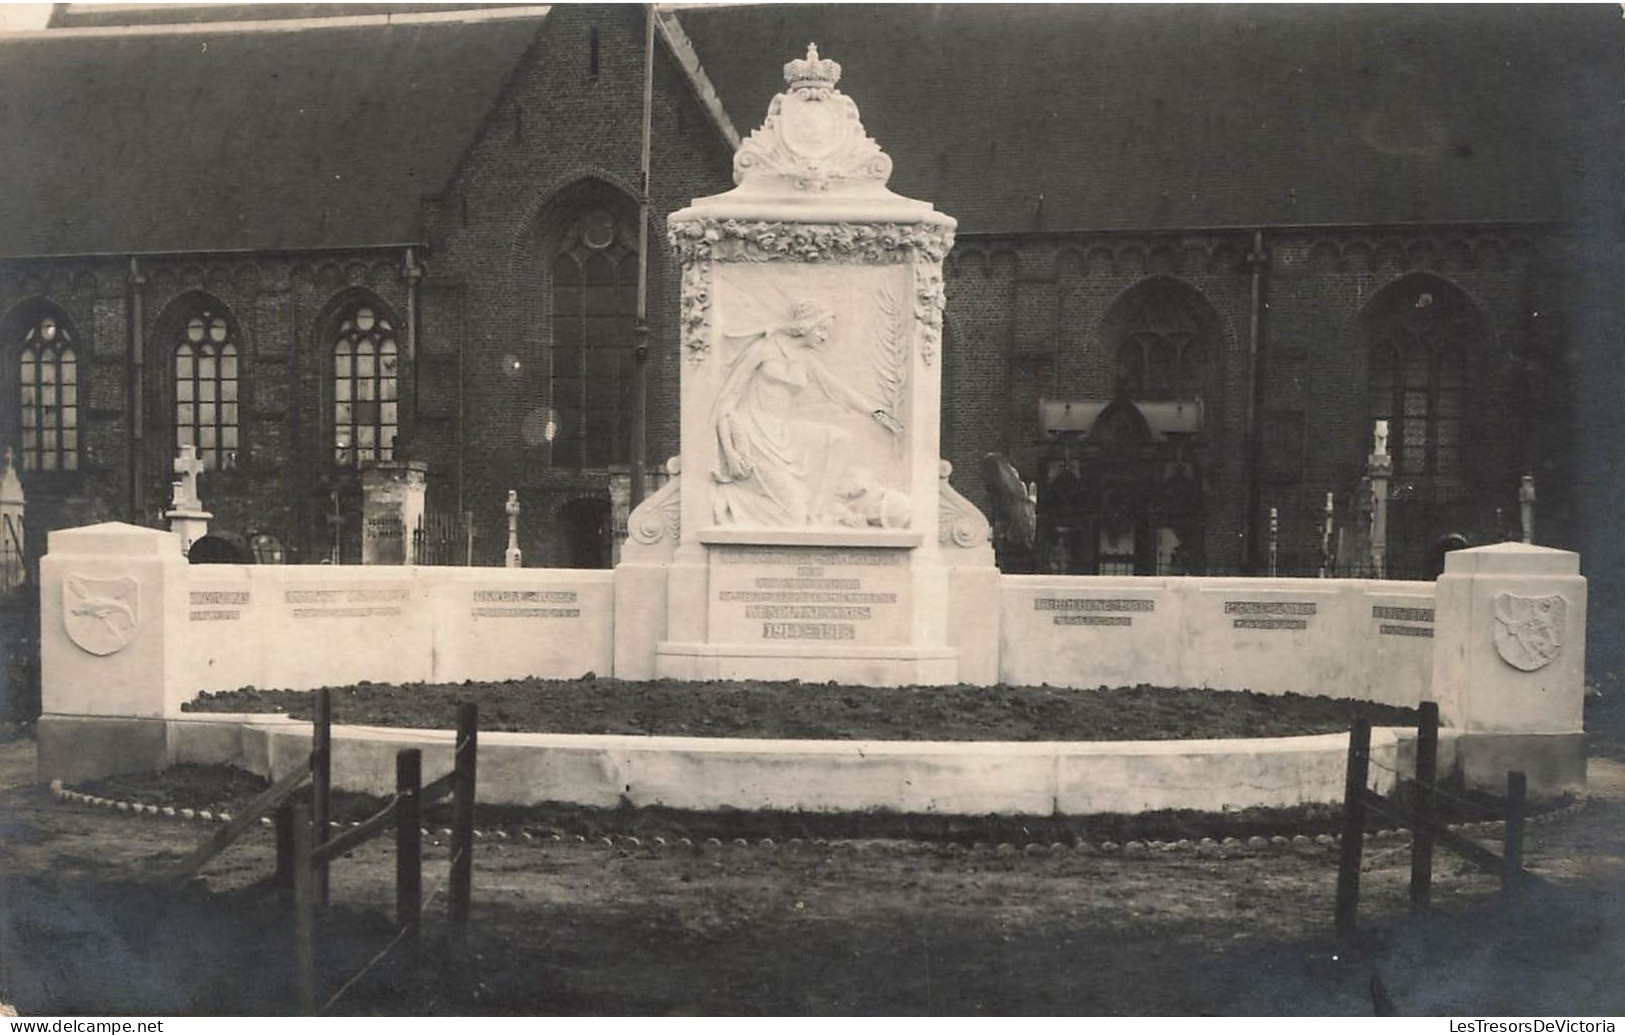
{"x":1207,"y":847}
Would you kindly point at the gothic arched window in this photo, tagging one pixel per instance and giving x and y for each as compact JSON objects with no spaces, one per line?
{"x":1161,"y":352}
{"x":366,"y":411}
{"x":595,"y":278}
{"x":205,"y":361}
{"x":1419,"y":348}
{"x":48,"y":403}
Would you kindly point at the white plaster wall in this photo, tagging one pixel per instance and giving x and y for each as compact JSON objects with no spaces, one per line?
{"x":306,"y":626}
{"x":1327,"y":637}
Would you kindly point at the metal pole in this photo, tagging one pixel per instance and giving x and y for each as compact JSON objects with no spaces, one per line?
{"x":138,"y":348}
{"x":640,"y":329}
{"x":1258,"y":261}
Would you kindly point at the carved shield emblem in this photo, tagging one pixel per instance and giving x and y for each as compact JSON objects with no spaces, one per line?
{"x":1529,"y":630}
{"x":101,"y":615}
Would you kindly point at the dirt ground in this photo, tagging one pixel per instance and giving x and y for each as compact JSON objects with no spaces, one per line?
{"x":826,"y":711}
{"x":839,"y":927}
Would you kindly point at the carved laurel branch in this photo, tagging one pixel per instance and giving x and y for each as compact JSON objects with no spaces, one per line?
{"x":660,"y":516}
{"x":733,"y":240}
{"x":891,"y":361}
{"x":959,"y":521}
{"x":767,"y":151}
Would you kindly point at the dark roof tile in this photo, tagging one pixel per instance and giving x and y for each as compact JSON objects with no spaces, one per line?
{"x":315,"y":137}
{"x":1059,"y":117}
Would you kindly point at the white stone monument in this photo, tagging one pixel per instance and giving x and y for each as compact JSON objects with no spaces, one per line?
{"x":186,"y":515}
{"x":1379,"y":468}
{"x":1509,"y":664}
{"x":392,"y":503}
{"x":811,"y":532}
{"x":511,"y":557}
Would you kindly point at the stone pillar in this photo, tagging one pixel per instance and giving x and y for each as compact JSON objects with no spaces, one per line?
{"x":1526,"y":507}
{"x":392,"y":495}
{"x":808,"y":540}
{"x":13,"y":545}
{"x":511,"y":557}
{"x":113,"y":619}
{"x":1509,"y":663}
{"x":1379,"y":468}
{"x":186,"y":515}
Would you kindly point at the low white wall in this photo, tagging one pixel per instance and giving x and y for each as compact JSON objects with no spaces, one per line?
{"x":1360,"y":639}
{"x":299,"y":627}
{"x":957,"y":778}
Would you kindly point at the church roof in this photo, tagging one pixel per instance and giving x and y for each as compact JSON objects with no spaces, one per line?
{"x":294,"y":135}
{"x":1066,"y":117}
{"x":306,"y":132}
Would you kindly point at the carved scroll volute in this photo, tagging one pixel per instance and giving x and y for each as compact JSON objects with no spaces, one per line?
{"x":654,"y":528}
{"x":961,"y":523}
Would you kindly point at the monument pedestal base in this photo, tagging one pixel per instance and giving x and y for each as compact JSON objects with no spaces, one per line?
{"x":810,"y":663}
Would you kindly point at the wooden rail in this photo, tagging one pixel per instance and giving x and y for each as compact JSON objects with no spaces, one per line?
{"x":1420,"y":815}
{"x":313,"y":854}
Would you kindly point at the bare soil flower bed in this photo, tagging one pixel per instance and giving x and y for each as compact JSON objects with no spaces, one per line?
{"x":825,"y":711}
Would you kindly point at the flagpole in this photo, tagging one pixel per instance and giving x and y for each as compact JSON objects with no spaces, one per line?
{"x":640,"y":329}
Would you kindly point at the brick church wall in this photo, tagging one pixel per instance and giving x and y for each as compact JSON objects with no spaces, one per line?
{"x":559,"y":122}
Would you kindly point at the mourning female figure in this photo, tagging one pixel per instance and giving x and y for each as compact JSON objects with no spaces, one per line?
{"x":778,"y":465}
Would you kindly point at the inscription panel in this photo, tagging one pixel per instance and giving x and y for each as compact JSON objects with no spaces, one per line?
{"x":1279,"y":615}
{"x":525,"y":603}
{"x":371,"y":602}
{"x":208,"y":605}
{"x":763,"y":594}
{"x":1094,"y":611}
{"x":1403,"y":621}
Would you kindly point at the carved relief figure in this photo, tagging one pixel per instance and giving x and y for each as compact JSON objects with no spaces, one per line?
{"x":777,"y":464}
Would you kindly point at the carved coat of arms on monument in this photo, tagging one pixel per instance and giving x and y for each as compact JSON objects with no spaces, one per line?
{"x":101,"y":615}
{"x":1529,"y":630}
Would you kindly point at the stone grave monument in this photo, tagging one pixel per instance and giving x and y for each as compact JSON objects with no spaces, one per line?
{"x":186,"y":515}
{"x":392,"y":502}
{"x":809,"y":530}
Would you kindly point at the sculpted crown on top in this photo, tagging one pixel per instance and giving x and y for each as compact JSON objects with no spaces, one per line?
{"x":812,"y":139}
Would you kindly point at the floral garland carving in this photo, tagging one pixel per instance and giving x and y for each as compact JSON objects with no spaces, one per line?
{"x":735,"y":240}
{"x":929,"y":300}
{"x":696,"y":309}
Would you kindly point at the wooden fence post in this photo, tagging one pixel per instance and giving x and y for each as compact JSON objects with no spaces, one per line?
{"x":304,"y":910}
{"x":409,"y":847}
{"x":1348,"y":865}
{"x":1427,"y":806}
{"x":283,"y":878}
{"x":321,"y":782}
{"x":1512,"y":850}
{"x":462,"y":823}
